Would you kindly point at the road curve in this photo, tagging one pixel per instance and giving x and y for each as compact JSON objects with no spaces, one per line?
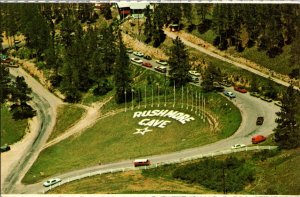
{"x":46,"y":104}
{"x":250,"y":107}
{"x":212,"y":54}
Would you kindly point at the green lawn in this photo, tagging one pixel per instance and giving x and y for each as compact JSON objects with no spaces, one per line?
{"x":275,"y":175}
{"x":108,"y":142}
{"x":67,"y":116}
{"x":11,"y":130}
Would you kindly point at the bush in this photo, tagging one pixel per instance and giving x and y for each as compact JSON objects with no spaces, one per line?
{"x":264,"y":154}
{"x":212,"y":173}
{"x":24,"y":53}
{"x":22,"y":111}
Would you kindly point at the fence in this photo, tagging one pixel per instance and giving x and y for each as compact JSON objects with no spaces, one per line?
{"x":212,"y":154}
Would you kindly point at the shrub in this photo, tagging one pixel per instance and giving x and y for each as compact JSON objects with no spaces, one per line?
{"x":212,"y":173}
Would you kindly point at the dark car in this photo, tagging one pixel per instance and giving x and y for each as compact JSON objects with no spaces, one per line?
{"x":259,"y":120}
{"x":265,"y":98}
{"x":147,"y":57}
{"x":5,"y":148}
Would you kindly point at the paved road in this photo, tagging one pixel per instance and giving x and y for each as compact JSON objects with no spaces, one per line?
{"x":212,"y":54}
{"x":45,"y":103}
{"x":251,"y":107}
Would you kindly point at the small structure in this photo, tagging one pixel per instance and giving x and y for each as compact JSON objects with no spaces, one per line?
{"x":136,"y":10}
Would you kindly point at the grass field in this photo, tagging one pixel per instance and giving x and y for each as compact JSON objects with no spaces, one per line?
{"x":108,"y":142}
{"x":11,"y":130}
{"x":277,"y":175}
{"x":66,"y":117}
{"x":280,"y":63}
{"x":132,"y":182}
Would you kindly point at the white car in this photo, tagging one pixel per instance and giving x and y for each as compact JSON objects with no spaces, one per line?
{"x":137,"y":53}
{"x":51,"y":182}
{"x":161,"y":62}
{"x":137,"y":60}
{"x":236,"y":146}
{"x":194,"y":73}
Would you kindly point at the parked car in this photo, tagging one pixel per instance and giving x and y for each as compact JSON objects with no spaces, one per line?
{"x":161,"y":69}
{"x":137,"y":60}
{"x":236,"y":146}
{"x":147,"y":57}
{"x":265,"y":98}
{"x":162,"y":62}
{"x":194,"y":78}
{"x":255,"y":94}
{"x":51,"y":182}
{"x":240,"y":89}
{"x":129,"y":50}
{"x":229,"y":94}
{"x":278,"y":103}
{"x":258,"y":138}
{"x":141,"y":162}
{"x":147,"y":64}
{"x":194,"y":73}
{"x":259,"y":120}
{"x":137,"y":53}
{"x":5,"y":148}
{"x":225,"y":83}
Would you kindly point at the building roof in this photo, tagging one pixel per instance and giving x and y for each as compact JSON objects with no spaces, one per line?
{"x":133,"y":6}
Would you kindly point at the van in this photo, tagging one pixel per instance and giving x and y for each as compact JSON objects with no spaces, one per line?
{"x":141,"y":162}
{"x":258,"y":138}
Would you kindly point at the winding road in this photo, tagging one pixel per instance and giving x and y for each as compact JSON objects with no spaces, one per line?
{"x":46,"y":104}
{"x":23,"y":154}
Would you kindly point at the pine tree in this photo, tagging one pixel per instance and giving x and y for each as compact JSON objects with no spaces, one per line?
{"x":287,"y":133}
{"x":211,"y":75}
{"x":179,"y":63}
{"x":122,"y":74}
{"x":5,"y":84}
{"x":21,"y":95}
{"x":148,"y":25}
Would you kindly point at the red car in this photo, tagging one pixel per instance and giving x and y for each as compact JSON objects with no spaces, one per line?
{"x":147,"y":64}
{"x":258,"y":138}
{"x":240,"y":89}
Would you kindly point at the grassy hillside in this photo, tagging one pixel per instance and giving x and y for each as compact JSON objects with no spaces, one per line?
{"x":275,"y":173}
{"x":66,"y":117}
{"x":11,"y":130}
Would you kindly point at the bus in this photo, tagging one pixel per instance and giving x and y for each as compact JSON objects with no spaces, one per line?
{"x":141,"y":162}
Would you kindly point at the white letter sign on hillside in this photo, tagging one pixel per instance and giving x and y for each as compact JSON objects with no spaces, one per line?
{"x":159,"y":122}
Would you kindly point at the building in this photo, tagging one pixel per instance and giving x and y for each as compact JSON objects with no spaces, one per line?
{"x":136,"y":10}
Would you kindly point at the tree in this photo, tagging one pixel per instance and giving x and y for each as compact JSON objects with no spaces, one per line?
{"x":287,"y":133}
{"x":107,"y":12}
{"x":212,"y":74}
{"x":5,"y":84}
{"x":179,"y":63}
{"x":20,"y":96}
{"x":122,"y":73}
{"x":148,"y":25}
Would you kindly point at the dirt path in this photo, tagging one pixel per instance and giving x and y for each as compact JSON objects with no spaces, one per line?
{"x":209,"y":49}
{"x":90,"y":118}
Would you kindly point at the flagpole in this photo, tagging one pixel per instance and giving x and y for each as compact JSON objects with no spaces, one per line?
{"x":145,"y":96}
{"x":158,"y":95}
{"x":187,"y":97}
{"x":174,"y":94}
{"x":152,"y":96}
{"x":125,"y":99}
{"x":181,"y":96}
